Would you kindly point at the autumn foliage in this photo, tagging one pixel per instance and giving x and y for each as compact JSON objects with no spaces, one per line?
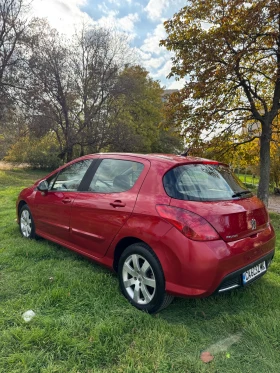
{"x":228,"y":52}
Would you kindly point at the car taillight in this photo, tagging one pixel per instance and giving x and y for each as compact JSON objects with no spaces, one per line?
{"x":190,"y":224}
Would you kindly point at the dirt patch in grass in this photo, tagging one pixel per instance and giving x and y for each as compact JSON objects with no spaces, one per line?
{"x":11,"y":166}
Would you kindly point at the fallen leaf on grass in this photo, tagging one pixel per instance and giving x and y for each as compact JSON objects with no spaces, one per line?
{"x":206,"y":357}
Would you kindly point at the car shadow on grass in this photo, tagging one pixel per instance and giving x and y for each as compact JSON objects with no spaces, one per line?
{"x":254,"y":301}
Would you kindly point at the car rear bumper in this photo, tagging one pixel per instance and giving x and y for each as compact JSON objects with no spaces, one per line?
{"x":234,"y":280}
{"x":199,"y":269}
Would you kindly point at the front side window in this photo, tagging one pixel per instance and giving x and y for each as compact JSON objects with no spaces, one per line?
{"x":51,"y":181}
{"x":70,"y":177}
{"x":203,"y":182}
{"x":115,"y":175}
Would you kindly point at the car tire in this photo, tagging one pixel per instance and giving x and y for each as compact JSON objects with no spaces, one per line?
{"x":142,"y":280}
{"x":26,"y":223}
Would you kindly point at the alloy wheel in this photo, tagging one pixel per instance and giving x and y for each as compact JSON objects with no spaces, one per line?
{"x":26,"y":223}
{"x":139,"y":279}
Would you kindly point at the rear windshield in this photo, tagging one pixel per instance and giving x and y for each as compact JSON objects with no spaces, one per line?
{"x":203,"y":182}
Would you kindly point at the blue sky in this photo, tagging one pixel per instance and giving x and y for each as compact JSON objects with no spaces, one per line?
{"x":141,"y":20}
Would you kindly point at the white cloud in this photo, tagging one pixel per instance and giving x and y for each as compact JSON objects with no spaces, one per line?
{"x":151,"y":43}
{"x":177,"y":84}
{"x":165,"y":70}
{"x":115,"y":2}
{"x":153,"y":63}
{"x":153,"y":57}
{"x":155,"y":8}
{"x":125,"y":24}
{"x":143,"y":55}
{"x":64,"y":15}
{"x":104,"y":9}
{"x":206,"y":25}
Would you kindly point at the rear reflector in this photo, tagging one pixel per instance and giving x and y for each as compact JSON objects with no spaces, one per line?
{"x":190,"y":224}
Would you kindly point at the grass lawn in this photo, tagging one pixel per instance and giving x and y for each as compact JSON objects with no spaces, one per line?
{"x":249,"y":179}
{"x":84,"y":325}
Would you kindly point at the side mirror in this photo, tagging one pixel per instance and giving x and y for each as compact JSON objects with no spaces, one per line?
{"x":43,"y":186}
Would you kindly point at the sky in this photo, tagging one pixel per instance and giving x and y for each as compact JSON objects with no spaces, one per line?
{"x":141,"y":20}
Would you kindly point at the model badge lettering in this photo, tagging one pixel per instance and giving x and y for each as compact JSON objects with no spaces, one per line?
{"x":233,"y":236}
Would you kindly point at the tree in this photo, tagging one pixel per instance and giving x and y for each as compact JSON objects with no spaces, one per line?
{"x":77,"y":96}
{"x":229,"y":52}
{"x":12,"y":33}
{"x":70,"y":84}
{"x":138,"y":113}
{"x":49,"y":85}
{"x":275,"y":160}
{"x":12,"y":28}
{"x":98,"y":58}
{"x":137,"y":110}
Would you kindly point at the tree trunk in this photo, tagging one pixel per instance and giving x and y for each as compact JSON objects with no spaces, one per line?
{"x":69,"y":153}
{"x":263,"y":189}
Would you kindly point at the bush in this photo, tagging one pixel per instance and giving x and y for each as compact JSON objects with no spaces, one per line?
{"x":38,"y":153}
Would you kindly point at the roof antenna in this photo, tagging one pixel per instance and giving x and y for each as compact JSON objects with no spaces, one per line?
{"x":185,"y":153}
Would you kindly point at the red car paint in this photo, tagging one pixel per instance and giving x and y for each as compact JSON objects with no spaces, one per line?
{"x":99,"y":225}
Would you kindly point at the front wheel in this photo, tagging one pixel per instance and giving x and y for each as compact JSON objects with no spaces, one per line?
{"x":26,"y":223}
{"x":141,"y":279}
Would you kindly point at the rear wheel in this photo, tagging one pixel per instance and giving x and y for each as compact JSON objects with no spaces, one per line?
{"x":26,"y":223}
{"x":141,"y":279}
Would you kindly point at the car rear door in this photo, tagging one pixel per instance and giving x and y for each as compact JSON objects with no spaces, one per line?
{"x":99,"y":212}
{"x":52,"y":209}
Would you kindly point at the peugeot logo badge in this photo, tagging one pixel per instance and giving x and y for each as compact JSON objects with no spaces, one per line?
{"x":253,"y":224}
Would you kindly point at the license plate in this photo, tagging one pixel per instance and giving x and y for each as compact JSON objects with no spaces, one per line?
{"x":253,"y":272}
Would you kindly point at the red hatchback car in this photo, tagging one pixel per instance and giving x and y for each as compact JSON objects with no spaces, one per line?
{"x":168,"y":225}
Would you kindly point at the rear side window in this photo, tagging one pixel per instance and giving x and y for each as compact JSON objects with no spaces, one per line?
{"x":203,"y":182}
{"x":115,"y":175}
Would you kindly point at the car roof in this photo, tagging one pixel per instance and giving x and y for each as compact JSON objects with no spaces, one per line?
{"x":171,"y":159}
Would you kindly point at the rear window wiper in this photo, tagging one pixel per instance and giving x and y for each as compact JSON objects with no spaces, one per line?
{"x":239,"y":194}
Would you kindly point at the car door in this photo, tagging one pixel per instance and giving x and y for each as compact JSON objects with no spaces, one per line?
{"x":99,"y":212}
{"x":52,"y":209}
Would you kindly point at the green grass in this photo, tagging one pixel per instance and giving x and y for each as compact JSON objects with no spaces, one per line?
{"x":84,"y":325}
{"x":249,"y":179}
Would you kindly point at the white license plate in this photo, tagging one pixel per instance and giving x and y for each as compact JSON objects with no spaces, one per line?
{"x":253,"y":272}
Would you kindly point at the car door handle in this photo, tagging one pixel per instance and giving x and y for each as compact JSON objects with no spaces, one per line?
{"x":117,"y":203}
{"x":66,"y":200}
